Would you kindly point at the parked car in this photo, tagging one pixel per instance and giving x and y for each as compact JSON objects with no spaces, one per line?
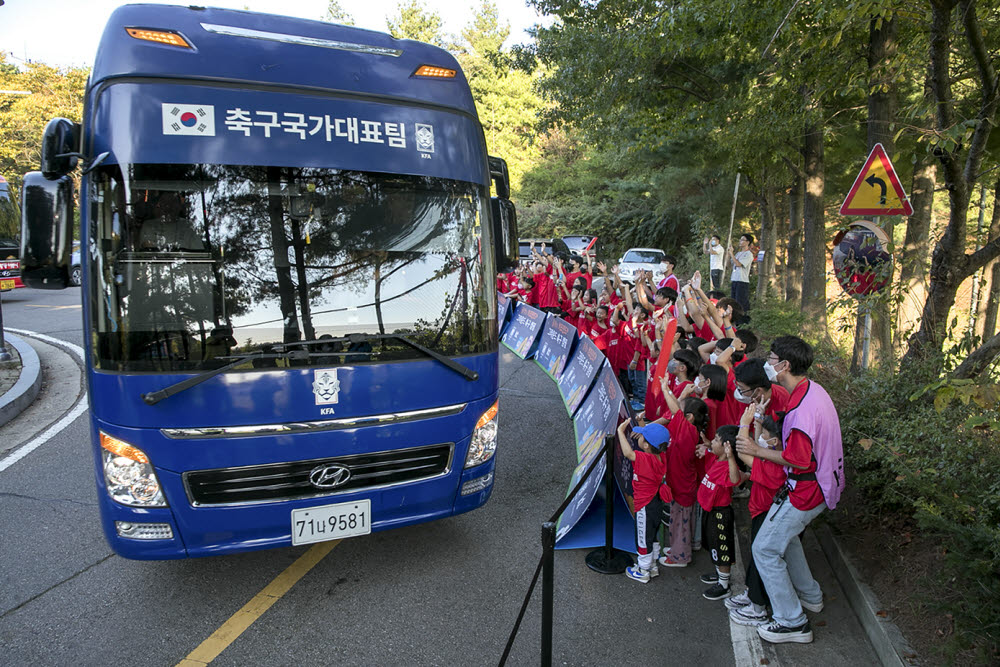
{"x":578,"y":244}
{"x":551,"y":246}
{"x":75,"y":270}
{"x":641,"y":259}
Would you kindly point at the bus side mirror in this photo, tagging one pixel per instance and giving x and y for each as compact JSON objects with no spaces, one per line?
{"x":500,"y":176}
{"x":46,"y":230}
{"x":60,"y":143}
{"x":505,"y":234}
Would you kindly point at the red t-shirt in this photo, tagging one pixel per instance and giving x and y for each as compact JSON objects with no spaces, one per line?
{"x":545,"y":293}
{"x":629,"y":342}
{"x":713,"y":417}
{"x":647,"y":475}
{"x":671,"y":282}
{"x":730,"y":410}
{"x":597,"y":330}
{"x":613,"y":349}
{"x":779,"y":402}
{"x":767,"y":478}
{"x":681,"y":472}
{"x":799,"y":451}
{"x":502,"y":284}
{"x":704,"y":331}
{"x":716,"y":489}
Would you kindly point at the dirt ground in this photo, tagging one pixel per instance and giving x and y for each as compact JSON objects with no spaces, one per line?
{"x":9,"y":370}
{"x":898,"y":564}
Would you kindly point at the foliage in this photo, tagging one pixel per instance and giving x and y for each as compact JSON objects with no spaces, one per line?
{"x":413,"y":20}
{"x":54,"y":92}
{"x":335,"y":13}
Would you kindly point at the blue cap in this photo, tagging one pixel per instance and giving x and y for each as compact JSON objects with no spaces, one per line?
{"x":655,"y":434}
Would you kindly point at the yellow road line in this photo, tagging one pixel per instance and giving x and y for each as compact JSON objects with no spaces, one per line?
{"x":227,"y":633}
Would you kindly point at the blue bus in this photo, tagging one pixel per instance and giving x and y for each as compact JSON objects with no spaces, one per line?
{"x":289,"y":252}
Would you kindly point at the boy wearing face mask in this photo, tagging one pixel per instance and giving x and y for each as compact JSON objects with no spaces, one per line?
{"x":753,"y":385}
{"x":766,"y":477}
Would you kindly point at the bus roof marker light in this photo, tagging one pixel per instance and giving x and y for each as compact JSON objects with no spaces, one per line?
{"x":233,"y":31}
{"x":432,"y":72}
{"x":159,"y":36}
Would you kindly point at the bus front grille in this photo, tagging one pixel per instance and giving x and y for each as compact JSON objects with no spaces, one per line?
{"x":287,"y":481}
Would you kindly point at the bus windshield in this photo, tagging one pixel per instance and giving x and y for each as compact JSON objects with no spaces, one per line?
{"x":193,"y":264}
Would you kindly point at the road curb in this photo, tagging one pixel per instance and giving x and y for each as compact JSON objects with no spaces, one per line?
{"x":24,"y":391}
{"x":885,"y":637}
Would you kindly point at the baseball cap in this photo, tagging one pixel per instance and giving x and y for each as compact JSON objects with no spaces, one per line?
{"x":655,"y":434}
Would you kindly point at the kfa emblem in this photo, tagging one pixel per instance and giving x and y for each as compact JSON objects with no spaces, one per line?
{"x":326,"y":386}
{"x":425,"y":137}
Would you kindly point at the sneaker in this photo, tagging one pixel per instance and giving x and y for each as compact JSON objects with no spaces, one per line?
{"x":776,"y":633}
{"x":710,"y":578}
{"x":738,"y":601}
{"x":696,"y":546}
{"x":716,"y":592}
{"x":667,"y":561}
{"x":813,"y":607}
{"x":637,"y":574}
{"x":747,"y":616}
{"x":654,"y":571}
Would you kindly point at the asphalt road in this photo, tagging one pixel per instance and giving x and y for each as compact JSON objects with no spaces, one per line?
{"x":442,"y":593}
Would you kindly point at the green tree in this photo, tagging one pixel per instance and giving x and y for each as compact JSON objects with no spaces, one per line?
{"x":335,"y":13}
{"x":413,"y":20}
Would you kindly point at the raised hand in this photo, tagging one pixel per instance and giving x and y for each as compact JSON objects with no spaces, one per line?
{"x":696,"y":280}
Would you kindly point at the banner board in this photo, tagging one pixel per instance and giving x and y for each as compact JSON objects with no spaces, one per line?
{"x":522,"y":332}
{"x":596,"y":419}
{"x":503,"y":312}
{"x":580,"y":372}
{"x":555,"y":346}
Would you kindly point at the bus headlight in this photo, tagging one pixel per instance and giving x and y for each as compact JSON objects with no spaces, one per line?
{"x":483,"y":444}
{"x":128,"y":475}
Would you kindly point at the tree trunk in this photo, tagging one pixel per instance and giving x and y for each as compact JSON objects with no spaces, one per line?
{"x":303,"y":288}
{"x":814,"y":222}
{"x":793,"y":261}
{"x":282,"y":267}
{"x":916,"y":248}
{"x":780,"y":244}
{"x":768,"y":228}
{"x":992,"y":271}
{"x":881,"y":112}
{"x":950,"y":265}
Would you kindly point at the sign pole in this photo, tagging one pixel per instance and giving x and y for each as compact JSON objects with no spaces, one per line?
{"x":4,"y":354}
{"x":866,"y":336}
{"x":729,"y":239}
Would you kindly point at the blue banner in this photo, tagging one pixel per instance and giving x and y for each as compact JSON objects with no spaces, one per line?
{"x":522,"y":332}
{"x":596,"y":419}
{"x":503,"y":310}
{"x":580,"y":373}
{"x":555,"y":346}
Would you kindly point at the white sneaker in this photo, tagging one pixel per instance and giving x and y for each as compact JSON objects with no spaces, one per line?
{"x":738,"y":601}
{"x":810,"y":606}
{"x":637,"y":574}
{"x":747,"y":616}
{"x":776,"y":633}
{"x":654,"y":571}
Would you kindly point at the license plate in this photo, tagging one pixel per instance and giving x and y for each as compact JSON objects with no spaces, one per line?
{"x":7,"y":284}
{"x":331,"y":522}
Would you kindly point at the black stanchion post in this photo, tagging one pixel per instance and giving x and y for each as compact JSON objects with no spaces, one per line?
{"x":4,"y":354}
{"x":609,"y":560}
{"x":548,"y":563}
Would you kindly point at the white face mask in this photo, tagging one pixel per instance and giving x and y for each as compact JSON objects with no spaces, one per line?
{"x":738,"y":395}
{"x":698,"y":385}
{"x":763,"y":443}
{"x":714,"y":243}
{"x":712,"y":358}
{"x":772,"y":374}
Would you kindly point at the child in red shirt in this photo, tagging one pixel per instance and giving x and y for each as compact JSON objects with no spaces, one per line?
{"x":647,"y":479}
{"x":715,"y":499}
{"x":766,"y":477}
{"x":685,"y":425}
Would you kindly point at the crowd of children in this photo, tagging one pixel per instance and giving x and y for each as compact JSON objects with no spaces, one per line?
{"x":712,"y":422}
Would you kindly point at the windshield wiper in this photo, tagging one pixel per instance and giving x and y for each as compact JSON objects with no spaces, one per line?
{"x":154,"y":397}
{"x":358,"y":338}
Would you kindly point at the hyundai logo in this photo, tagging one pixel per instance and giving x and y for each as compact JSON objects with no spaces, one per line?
{"x":329,"y":476}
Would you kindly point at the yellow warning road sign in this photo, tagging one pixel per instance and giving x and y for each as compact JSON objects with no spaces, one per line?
{"x":876,"y":190}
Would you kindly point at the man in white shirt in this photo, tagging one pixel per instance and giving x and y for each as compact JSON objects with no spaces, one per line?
{"x":740,"y":279}
{"x":713,"y":248}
